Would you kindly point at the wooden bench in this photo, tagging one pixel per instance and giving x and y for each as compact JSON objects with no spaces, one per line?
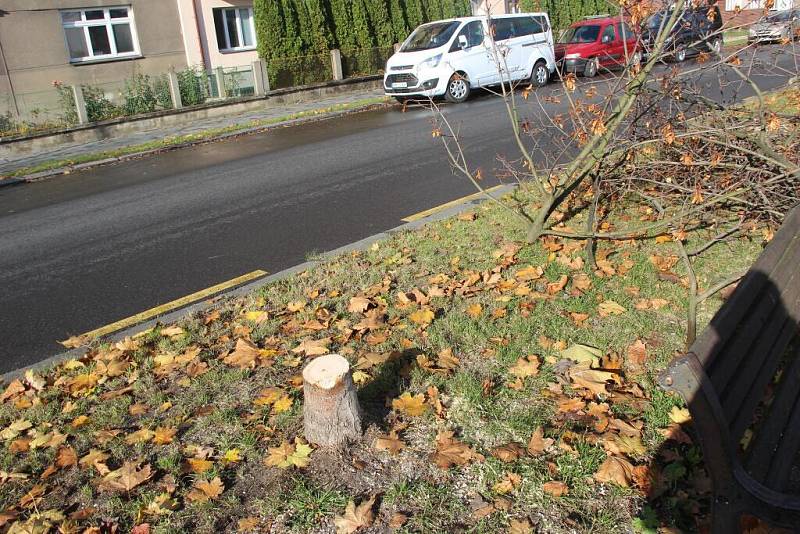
{"x":741,"y":381}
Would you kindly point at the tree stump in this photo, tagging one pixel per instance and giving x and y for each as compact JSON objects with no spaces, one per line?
{"x":331,"y":413}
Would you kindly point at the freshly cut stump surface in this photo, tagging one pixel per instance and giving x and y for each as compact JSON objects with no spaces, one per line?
{"x":331,"y":413}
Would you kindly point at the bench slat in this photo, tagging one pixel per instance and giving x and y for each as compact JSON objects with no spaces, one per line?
{"x":707,"y":345}
{"x":769,"y":435}
{"x":759,"y":369}
{"x":781,"y":465}
{"x":751,"y":331}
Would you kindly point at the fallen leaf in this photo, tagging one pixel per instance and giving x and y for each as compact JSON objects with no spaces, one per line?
{"x":525,"y":367}
{"x":247,"y":524}
{"x":450,"y":451}
{"x":507,"y":484}
{"x":96,"y":459}
{"x":558,"y":285}
{"x":538,"y":443}
{"x":313,"y":347}
{"x":164,"y":435}
{"x":616,"y":470}
{"x":520,"y":526}
{"x":244,"y":355}
{"x":204,"y":491}
{"x":358,"y":304}
{"x":582,"y":353}
{"x":409,"y":404}
{"x":529,"y":273}
{"x":390,"y":443}
{"x":609,"y":307}
{"x":199,"y":465}
{"x":66,"y":457}
{"x":422,"y":317}
{"x":555,"y":488}
{"x":126,"y":477}
{"x":592,"y":379}
{"x":474,"y":310}
{"x":680,"y":415}
{"x":355,"y":517}
{"x":508,"y":452}
{"x":637,"y":353}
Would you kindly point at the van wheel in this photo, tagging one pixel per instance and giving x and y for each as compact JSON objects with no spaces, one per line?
{"x":457,"y":89}
{"x":591,"y":68}
{"x":636,"y":59}
{"x":540,"y":75}
{"x":680,"y":54}
{"x":716,"y":46}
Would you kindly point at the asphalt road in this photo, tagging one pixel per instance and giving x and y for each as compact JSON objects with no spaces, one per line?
{"x":84,"y":250}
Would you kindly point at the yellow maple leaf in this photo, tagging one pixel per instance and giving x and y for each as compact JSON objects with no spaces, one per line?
{"x":609,"y":307}
{"x":204,"y":491}
{"x":283,"y":404}
{"x":680,"y":415}
{"x":410,"y":404}
{"x":232,"y":456}
{"x":422,"y":317}
{"x":164,"y":435}
{"x":475,"y":310}
{"x":525,"y":367}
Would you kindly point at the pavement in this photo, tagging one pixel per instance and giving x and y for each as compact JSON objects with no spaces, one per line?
{"x":93,"y":247}
{"x":67,"y":151}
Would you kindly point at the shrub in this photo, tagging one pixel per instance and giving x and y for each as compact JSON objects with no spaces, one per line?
{"x":193,"y":86}
{"x":98,"y":107}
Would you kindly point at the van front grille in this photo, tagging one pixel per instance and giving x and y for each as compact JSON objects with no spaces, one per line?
{"x":410,"y":79}
{"x":403,"y":67}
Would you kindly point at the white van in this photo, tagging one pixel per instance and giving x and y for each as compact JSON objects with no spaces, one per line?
{"x":451,"y":57}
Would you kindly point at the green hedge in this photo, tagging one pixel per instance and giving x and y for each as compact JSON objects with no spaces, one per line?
{"x":295,"y":36}
{"x":565,"y":12}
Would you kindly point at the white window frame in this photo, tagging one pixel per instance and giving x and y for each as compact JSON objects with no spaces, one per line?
{"x":228,"y":47}
{"x":109,"y":24}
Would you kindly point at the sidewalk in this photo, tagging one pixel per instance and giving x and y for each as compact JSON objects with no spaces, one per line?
{"x":204,"y":129}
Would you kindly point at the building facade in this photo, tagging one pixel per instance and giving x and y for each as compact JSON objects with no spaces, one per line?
{"x":218,"y":33}
{"x":98,"y":42}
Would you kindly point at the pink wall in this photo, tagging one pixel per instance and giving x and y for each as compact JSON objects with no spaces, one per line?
{"x":197,"y":17}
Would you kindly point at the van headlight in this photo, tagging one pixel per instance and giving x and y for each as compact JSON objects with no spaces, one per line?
{"x":572,"y":56}
{"x":431,"y":62}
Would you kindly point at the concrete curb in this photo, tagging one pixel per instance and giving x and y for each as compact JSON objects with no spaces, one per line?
{"x":38,"y":176}
{"x":175,"y":315}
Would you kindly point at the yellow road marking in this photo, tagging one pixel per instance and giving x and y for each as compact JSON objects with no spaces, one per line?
{"x":423,"y":214}
{"x":169,"y":306}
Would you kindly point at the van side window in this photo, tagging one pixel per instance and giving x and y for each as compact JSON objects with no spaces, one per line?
{"x":503,"y":29}
{"x":542,"y":20}
{"x":527,"y":26}
{"x":473,"y":32}
{"x":608,"y":33}
{"x":625,"y":32}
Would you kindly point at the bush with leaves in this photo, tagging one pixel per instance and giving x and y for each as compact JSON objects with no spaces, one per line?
{"x":193,"y":86}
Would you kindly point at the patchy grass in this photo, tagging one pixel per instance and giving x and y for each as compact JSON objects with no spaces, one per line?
{"x":198,"y":137}
{"x":219,"y":417}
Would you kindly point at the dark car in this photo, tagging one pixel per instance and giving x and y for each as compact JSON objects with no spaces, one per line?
{"x":697,"y":30}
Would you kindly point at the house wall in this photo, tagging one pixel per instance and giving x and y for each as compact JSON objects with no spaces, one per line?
{"x":495,"y":7}
{"x":33,"y":43}
{"x":200,"y":38}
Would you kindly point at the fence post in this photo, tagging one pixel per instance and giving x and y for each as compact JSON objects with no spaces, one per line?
{"x":265,"y":75}
{"x":336,"y":64}
{"x":259,"y":86}
{"x":220,"y":72}
{"x":174,"y":89}
{"x":80,"y":104}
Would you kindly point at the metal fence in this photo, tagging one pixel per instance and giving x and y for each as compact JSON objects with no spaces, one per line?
{"x":63,"y":106}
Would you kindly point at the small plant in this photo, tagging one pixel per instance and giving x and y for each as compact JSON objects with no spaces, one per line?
{"x":193,"y":86}
{"x":66,"y":101}
{"x":98,"y":107}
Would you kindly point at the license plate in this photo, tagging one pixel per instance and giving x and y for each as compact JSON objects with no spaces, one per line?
{"x":400,"y":85}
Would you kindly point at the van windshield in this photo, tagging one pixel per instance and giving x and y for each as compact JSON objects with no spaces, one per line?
{"x":783,"y":16}
{"x":581,"y":34}
{"x":430,"y":36}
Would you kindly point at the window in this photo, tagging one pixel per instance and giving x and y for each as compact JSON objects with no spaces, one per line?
{"x":473,"y":32}
{"x":608,"y":34}
{"x":102,"y":33}
{"x":235,"y":29}
{"x":503,"y":29}
{"x":625,"y":31}
{"x":527,"y":26}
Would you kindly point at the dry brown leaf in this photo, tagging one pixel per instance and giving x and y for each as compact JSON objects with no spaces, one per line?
{"x":96,"y":459}
{"x":199,"y":465}
{"x":66,"y":457}
{"x":610,"y":307}
{"x":474,"y":310}
{"x":508,"y":452}
{"x":140,"y":436}
{"x":358,"y":304}
{"x":164,"y":435}
{"x":450,"y":451}
{"x":126,"y":477}
{"x":617,"y":470}
{"x":247,"y":524}
{"x":637,"y":353}
{"x":592,"y":379}
{"x":422,"y":317}
{"x":244,"y":355}
{"x":555,"y":488}
{"x":355,"y":517}
{"x":390,"y":443}
{"x":204,"y":491}
{"x":529,"y":273}
{"x":558,"y":285}
{"x":14,"y":388}
{"x":313,"y":347}
{"x":538,"y":443}
{"x":525,"y":367}
{"x":520,"y":526}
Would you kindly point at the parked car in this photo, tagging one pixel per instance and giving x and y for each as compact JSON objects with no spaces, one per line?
{"x":597,"y":42}
{"x":451,"y":57}
{"x":783,"y":25}
{"x":697,"y":30}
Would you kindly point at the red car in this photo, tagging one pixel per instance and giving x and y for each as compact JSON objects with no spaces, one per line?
{"x":597,"y":42}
